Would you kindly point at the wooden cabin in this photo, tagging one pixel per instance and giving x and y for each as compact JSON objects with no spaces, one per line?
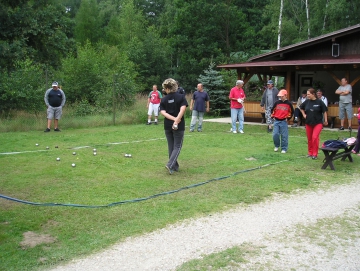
{"x":322,"y":60}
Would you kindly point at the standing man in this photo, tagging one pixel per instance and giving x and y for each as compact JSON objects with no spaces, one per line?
{"x":180,"y":89}
{"x":153,"y":104}
{"x":281,"y":112}
{"x":345,"y":102}
{"x":267,"y":101}
{"x":237,"y":98}
{"x":200,"y":97}
{"x":55,"y":100}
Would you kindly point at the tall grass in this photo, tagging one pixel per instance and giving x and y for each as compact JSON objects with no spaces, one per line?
{"x":24,"y":121}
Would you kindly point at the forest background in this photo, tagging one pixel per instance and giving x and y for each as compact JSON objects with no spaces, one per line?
{"x":104,"y":52}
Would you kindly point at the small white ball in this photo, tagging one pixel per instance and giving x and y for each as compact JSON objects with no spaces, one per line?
{"x":47,"y":147}
{"x":94,"y":153}
{"x":94,"y":150}
{"x":58,"y":159}
{"x":36,"y":144}
{"x":74,"y":153}
{"x":129,"y":155}
{"x":126,"y":155}
{"x":73,"y":165}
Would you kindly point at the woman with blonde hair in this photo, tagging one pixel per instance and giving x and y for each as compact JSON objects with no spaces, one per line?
{"x":173,"y":107}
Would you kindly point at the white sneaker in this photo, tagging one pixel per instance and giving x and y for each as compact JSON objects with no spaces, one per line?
{"x":276,"y":149}
{"x":234,"y":132}
{"x":241,"y":131}
{"x":283,"y":151}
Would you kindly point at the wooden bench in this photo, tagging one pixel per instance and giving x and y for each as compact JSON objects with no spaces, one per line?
{"x":331,"y":154}
{"x":263,"y":120}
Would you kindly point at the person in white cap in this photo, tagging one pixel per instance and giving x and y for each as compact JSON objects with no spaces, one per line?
{"x":237,"y":97}
{"x":55,"y":100}
{"x":267,"y":101}
{"x":281,"y":112}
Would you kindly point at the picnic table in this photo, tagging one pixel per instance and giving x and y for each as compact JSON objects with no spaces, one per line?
{"x":332,"y":154}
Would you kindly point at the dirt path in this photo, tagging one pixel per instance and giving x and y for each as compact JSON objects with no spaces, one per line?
{"x":317,"y":230}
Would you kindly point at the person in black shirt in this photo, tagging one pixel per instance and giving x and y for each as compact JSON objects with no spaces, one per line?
{"x":54,"y":100}
{"x":313,"y":111}
{"x":173,"y":107}
{"x":180,"y":89}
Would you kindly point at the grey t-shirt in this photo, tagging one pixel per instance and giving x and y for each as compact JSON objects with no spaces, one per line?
{"x":345,"y":99}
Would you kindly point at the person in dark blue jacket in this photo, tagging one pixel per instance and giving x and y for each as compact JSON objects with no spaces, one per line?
{"x":55,"y":100}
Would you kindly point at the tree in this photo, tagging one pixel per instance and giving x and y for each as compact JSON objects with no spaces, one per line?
{"x":213,"y":83}
{"x":89,"y":77}
{"x":40,"y":31}
{"x":22,"y":88}
{"x":88,"y":24}
{"x":203,"y":31}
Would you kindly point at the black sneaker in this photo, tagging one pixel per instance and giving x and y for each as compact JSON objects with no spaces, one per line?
{"x":170,"y":170}
{"x":350,"y":129}
{"x":341,"y":128}
{"x":155,"y":123}
{"x":47,"y":130}
{"x":149,"y":123}
{"x":57,"y":130}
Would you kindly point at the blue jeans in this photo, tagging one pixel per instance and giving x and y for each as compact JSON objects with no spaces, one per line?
{"x":175,"y":140}
{"x":194,"y":117}
{"x":281,"y":130}
{"x":237,"y":114}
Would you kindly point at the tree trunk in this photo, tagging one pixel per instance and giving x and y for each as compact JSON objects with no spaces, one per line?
{"x":326,"y":7}
{"x":280,"y":21}
{"x":307,"y":17}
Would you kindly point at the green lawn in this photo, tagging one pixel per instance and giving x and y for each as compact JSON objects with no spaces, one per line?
{"x":243,"y":168}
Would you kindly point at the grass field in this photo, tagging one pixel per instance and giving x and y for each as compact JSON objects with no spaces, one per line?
{"x":240,"y":168}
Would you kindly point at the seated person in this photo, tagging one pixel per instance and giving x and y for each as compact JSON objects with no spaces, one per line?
{"x":319,"y":94}
{"x":297,"y":113}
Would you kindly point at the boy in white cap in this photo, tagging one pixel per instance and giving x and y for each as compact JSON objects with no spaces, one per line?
{"x":281,"y":112}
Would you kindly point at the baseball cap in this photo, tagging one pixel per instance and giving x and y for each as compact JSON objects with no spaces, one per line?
{"x":270,"y":82}
{"x":55,"y":84}
{"x":282,"y":92}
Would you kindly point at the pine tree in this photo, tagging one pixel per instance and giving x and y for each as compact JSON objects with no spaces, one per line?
{"x":213,"y":84}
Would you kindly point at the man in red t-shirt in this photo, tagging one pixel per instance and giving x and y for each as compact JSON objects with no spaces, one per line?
{"x":153,"y":104}
{"x":237,"y":97}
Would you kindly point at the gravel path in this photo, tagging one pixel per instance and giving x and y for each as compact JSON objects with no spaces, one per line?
{"x":316,"y":230}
